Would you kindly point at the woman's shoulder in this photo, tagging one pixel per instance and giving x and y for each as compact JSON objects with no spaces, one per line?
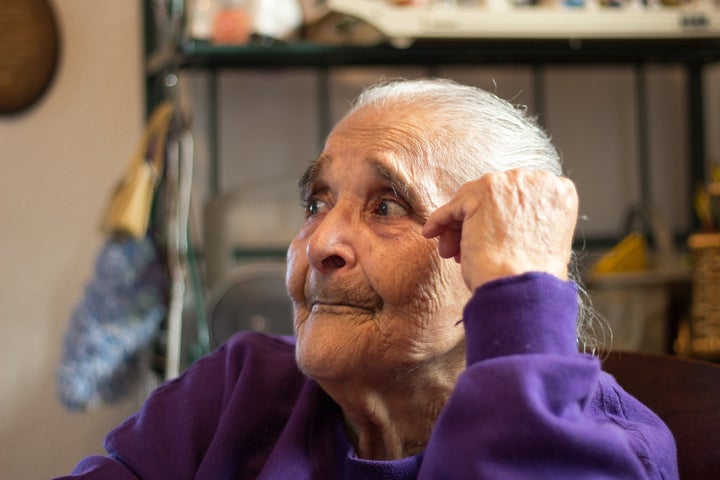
{"x":253,"y":359}
{"x":648,"y":435}
{"x":245,"y":354}
{"x":617,"y":404}
{"x":248,"y":361}
{"x":269,"y":354}
{"x":212,"y":406}
{"x":260,"y":340}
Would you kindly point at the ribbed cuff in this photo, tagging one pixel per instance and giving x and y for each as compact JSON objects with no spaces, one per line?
{"x":530,"y":313}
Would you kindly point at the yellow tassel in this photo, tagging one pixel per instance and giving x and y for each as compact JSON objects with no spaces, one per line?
{"x":128,"y":212}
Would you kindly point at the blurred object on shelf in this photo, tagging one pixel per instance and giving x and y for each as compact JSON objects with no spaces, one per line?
{"x":704,"y":209}
{"x":237,"y":22}
{"x":636,"y":317}
{"x":612,"y":3}
{"x":277,"y":19}
{"x":313,"y":9}
{"x":643,"y":308}
{"x":231,"y":25}
{"x":704,"y":329}
{"x":715,"y":172}
{"x":633,"y":285}
{"x":404,"y":21}
{"x":408,"y":3}
{"x":706,"y":202}
{"x":630,"y":255}
{"x":701,"y":335}
{"x":338,"y":29}
{"x":200,"y":18}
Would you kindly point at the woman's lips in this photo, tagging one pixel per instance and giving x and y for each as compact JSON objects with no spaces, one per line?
{"x":338,"y":308}
{"x":334,"y":296}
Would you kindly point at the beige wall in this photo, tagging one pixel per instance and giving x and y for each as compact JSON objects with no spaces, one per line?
{"x":58,"y":161}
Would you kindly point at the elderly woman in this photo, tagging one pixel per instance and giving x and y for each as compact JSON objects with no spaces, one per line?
{"x":436,"y":326}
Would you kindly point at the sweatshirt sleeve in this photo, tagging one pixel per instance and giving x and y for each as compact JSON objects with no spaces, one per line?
{"x":529,"y":406}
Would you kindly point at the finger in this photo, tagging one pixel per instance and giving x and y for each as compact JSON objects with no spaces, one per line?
{"x":449,"y":244}
{"x":442,"y":219}
{"x":432,"y":228}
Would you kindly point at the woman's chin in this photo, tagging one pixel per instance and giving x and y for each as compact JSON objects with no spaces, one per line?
{"x":323,"y":367}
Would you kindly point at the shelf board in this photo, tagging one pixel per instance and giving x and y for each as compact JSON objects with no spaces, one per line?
{"x":199,"y":54}
{"x":482,"y":33}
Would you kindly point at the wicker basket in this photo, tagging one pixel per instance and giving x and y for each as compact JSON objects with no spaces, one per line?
{"x":704,"y":332}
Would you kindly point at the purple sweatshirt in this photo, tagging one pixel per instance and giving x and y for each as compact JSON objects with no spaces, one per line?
{"x":527,"y":406}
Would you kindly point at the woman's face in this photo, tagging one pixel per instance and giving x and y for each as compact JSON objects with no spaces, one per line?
{"x":372,"y":298}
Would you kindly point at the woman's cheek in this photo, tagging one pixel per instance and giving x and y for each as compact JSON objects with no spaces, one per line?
{"x":409,"y":273}
{"x":297,"y":266}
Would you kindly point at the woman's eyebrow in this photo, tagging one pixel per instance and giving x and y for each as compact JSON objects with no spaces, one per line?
{"x":397,"y":182}
{"x":394,"y":180}
{"x":311,"y":173}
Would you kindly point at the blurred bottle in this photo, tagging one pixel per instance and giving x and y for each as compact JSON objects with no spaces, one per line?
{"x":200,"y":18}
{"x":232,"y":24}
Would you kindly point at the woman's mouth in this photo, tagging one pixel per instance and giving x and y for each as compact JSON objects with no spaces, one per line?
{"x":339,"y":308}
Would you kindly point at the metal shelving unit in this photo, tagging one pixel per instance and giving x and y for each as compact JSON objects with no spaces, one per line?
{"x":437,"y":38}
{"x":694,"y":54}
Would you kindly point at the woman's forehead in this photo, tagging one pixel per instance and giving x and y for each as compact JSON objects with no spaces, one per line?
{"x":394,"y":142}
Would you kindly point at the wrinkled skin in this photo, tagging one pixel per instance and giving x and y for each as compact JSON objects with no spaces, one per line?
{"x":376,"y":307}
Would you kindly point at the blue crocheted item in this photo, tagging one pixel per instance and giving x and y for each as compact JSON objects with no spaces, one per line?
{"x":117,"y":318}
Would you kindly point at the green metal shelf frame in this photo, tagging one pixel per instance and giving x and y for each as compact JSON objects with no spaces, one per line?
{"x":694,"y":54}
{"x":200,"y":54}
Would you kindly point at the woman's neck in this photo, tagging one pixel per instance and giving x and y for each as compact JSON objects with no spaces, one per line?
{"x":394,"y":419}
{"x":377,"y":436}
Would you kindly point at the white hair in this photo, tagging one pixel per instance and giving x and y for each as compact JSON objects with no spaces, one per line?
{"x":475,"y":132}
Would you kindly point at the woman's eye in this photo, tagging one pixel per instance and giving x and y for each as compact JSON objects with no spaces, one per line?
{"x":390,"y":208}
{"x":314,"y":206}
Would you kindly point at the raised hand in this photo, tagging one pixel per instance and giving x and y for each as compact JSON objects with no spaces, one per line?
{"x":507,"y":224}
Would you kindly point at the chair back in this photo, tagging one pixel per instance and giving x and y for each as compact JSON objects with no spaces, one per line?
{"x":685,"y":393}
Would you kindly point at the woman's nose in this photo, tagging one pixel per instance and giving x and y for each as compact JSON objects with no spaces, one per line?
{"x":331,"y":245}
